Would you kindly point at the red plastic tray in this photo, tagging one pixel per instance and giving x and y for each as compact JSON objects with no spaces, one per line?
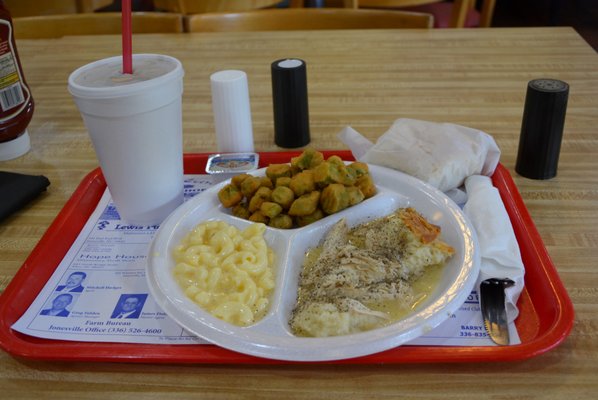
{"x":546,"y":312}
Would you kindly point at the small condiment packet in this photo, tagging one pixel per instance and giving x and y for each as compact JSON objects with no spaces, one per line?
{"x":226,"y":165}
{"x":499,"y":249}
{"x":441,"y":154}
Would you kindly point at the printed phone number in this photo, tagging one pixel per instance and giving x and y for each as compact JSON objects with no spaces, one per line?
{"x":473,"y":334}
{"x":135,"y":331}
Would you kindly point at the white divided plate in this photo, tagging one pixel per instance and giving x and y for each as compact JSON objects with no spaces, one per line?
{"x":271,"y":337}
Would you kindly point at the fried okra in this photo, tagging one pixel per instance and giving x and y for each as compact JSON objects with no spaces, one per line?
{"x":334,"y":198}
{"x":238,"y":179}
{"x":281,"y":221}
{"x":332,"y":172}
{"x":358,"y":169}
{"x":308,"y":219}
{"x":302,"y":183}
{"x":308,"y":159}
{"x":283,"y":196}
{"x":325,"y":174}
{"x":261,"y":195}
{"x":278,"y":170}
{"x":270,"y":209}
{"x":295,"y":170}
{"x":250,"y":185}
{"x":300,"y":193}
{"x":305,"y":204}
{"x":283,"y":181}
{"x":266,"y":182}
{"x":241,"y":211}
{"x":263,"y":192}
{"x":336,"y":160}
{"x":258,"y":216}
{"x":230,"y":195}
{"x":365,"y":183}
{"x":355,"y":195}
{"x":255,"y":203}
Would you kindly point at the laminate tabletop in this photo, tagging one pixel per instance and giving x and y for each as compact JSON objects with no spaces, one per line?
{"x":365,"y":79}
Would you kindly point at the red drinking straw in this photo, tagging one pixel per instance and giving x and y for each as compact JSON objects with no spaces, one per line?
{"x":127,"y":34}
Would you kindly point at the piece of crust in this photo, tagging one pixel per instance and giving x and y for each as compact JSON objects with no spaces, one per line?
{"x":422,"y":229}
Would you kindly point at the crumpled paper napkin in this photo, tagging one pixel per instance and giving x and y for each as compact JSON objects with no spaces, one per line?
{"x":441,"y":154}
{"x":448,"y":156}
{"x":501,"y":257}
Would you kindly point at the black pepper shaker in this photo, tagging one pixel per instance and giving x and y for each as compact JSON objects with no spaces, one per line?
{"x":542,"y":128}
{"x":289,"y":98}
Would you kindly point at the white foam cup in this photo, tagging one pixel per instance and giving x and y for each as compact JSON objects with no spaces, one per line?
{"x":135,"y":124}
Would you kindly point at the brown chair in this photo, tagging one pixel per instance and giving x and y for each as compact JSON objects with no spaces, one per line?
{"x":187,"y":7}
{"x":26,"y":8}
{"x":306,"y":19}
{"x":54,"y":26}
{"x":328,"y":3}
{"x":487,"y":13}
{"x":458,"y":14}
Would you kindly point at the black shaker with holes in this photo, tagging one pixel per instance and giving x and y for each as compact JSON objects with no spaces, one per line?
{"x":289,"y":98}
{"x":542,"y":128}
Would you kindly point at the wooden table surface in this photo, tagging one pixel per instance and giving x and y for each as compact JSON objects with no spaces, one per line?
{"x":365,"y":79}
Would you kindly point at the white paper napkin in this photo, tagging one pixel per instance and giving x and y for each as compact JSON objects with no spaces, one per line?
{"x":448,"y":156}
{"x":441,"y":154}
{"x":500,"y":252}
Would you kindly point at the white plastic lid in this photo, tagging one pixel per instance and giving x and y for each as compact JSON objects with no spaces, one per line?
{"x":170,"y":69}
{"x":158,"y":81}
{"x":16,"y":147}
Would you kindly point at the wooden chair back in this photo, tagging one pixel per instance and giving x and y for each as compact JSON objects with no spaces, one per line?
{"x":487,"y":13}
{"x":54,"y":26}
{"x":306,"y":19}
{"x":187,"y":7}
{"x":26,"y":8}
{"x":374,"y":3}
{"x":459,"y":11}
{"x":328,"y":3}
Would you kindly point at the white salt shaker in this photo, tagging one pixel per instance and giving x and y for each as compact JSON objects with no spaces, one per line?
{"x":232,"y":112}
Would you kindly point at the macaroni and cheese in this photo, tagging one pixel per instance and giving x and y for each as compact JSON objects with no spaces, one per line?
{"x":226,"y":271}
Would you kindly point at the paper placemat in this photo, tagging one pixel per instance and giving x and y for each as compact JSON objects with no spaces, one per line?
{"x":98,"y":293}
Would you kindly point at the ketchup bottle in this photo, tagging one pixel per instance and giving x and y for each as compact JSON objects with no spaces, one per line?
{"x":16,"y":102}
